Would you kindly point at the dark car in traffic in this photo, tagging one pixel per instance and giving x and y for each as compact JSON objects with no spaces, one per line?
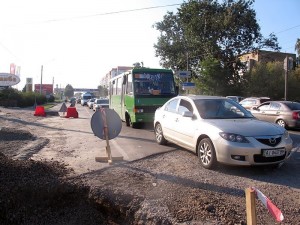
{"x":284,"y":113}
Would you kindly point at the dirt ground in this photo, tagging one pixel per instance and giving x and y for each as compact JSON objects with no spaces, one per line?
{"x":168,"y":188}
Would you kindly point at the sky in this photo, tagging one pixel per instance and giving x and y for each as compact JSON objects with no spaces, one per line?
{"x":78,"y":42}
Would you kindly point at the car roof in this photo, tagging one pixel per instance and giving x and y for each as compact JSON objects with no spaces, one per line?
{"x":196,"y":97}
{"x":283,"y":102}
{"x":257,"y":98}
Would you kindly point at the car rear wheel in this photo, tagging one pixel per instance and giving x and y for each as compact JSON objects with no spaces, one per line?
{"x":281,"y":123}
{"x":207,"y":154}
{"x":159,"y":136}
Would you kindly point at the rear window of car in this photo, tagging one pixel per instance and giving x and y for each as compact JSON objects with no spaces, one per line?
{"x":264,"y":100}
{"x":293,"y":105}
{"x":102,"y":101}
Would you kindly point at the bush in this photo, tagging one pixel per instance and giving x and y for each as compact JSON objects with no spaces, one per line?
{"x":12,"y":97}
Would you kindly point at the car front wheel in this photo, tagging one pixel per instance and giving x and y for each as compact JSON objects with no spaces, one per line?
{"x":207,"y":154}
{"x":159,"y":136}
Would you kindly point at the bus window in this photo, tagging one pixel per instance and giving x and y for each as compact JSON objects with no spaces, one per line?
{"x":114,"y":89}
{"x":129,"y":84}
{"x":119,"y":86}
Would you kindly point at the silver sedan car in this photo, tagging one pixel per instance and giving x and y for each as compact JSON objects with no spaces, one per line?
{"x":218,"y":129}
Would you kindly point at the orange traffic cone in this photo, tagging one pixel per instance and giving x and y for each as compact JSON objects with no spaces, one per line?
{"x":40,"y":111}
{"x":72,"y":112}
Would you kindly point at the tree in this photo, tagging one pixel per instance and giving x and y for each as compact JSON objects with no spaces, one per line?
{"x":103,"y":92}
{"x":266,"y":79}
{"x":69,"y":91}
{"x":203,"y":29}
{"x":297,"y":46}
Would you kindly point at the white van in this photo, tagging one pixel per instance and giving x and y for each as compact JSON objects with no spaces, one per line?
{"x":85,"y":97}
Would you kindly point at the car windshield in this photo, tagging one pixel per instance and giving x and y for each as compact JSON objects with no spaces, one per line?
{"x":86,"y":97}
{"x":221,"y":109}
{"x":102,"y":101}
{"x":154,"y":84}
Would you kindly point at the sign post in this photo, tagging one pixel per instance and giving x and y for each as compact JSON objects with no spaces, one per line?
{"x":106,"y":124}
{"x":250,"y":207}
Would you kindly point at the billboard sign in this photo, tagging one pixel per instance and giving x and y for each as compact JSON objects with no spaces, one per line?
{"x":12,"y":68}
{"x":47,"y":89}
{"x":8,"y":79}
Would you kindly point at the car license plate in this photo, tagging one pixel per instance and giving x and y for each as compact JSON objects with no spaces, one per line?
{"x":273,"y":152}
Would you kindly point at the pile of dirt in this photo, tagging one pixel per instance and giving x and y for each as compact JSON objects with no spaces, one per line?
{"x":39,"y":193}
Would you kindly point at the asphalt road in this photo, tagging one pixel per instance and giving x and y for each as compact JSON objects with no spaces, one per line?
{"x":77,"y":146}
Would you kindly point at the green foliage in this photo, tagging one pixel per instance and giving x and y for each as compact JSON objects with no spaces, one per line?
{"x":69,"y":91}
{"x":297,"y":46}
{"x":103,"y":91}
{"x":211,"y":34}
{"x":266,"y":79}
{"x":293,"y":85}
{"x":13,"y":97}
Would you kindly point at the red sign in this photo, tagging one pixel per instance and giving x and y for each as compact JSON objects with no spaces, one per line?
{"x":12,"y":68}
{"x":47,"y":89}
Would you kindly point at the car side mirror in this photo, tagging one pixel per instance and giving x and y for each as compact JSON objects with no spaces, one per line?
{"x":255,"y":108}
{"x":187,"y":114}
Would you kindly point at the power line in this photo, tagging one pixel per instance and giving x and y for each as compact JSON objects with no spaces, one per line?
{"x":109,"y":13}
{"x":287,"y":29}
{"x":8,"y":50}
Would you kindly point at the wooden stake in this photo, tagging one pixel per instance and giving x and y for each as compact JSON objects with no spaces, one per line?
{"x":250,"y":207}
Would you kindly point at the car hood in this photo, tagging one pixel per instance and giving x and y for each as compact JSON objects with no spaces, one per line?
{"x":247,"y":127}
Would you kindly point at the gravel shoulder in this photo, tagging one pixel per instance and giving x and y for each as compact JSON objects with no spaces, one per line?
{"x":167,"y":188}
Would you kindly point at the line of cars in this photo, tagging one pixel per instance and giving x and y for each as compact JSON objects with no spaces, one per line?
{"x":284,"y":113}
{"x":221,"y":130}
{"x":97,"y":103}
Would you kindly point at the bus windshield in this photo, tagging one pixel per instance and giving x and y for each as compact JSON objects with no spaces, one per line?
{"x":153,"y":83}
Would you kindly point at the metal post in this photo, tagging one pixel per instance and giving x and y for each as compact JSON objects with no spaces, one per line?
{"x":285,"y":66}
{"x":285,"y":84}
{"x":41,"y":79}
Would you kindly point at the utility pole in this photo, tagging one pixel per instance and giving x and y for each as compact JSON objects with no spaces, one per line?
{"x":41,"y":79}
{"x":288,"y":65}
{"x":285,"y":66}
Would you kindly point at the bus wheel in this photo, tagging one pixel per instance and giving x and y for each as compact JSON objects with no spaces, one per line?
{"x":135,"y":125}
{"x":127,"y":120}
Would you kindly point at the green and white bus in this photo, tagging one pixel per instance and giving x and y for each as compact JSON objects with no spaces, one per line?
{"x":136,"y":94}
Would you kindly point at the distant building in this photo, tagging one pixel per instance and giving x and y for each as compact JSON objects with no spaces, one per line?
{"x":114,"y":72}
{"x":264,"y":56}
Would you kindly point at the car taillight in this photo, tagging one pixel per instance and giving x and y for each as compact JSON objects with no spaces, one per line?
{"x":296,"y":115}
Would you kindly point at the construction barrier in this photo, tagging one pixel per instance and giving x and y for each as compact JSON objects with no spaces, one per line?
{"x":40,"y":111}
{"x":72,"y":112}
{"x":276,"y":213}
{"x":251,"y":209}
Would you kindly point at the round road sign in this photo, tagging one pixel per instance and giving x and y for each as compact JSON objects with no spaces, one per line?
{"x":107,"y":117}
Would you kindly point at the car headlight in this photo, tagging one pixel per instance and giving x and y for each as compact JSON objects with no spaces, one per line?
{"x":286,"y":135}
{"x":233,"y":137}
